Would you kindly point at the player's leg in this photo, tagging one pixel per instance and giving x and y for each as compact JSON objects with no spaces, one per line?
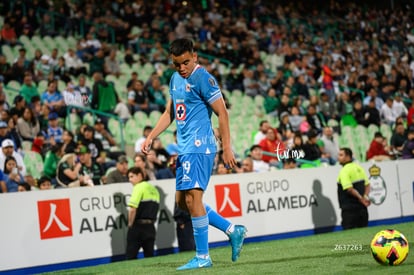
{"x":199,"y":218}
{"x":190,"y":195}
{"x":132,"y":243}
{"x":349,"y":219}
{"x":148,"y":240}
{"x":363,"y":218}
{"x":236,"y":233}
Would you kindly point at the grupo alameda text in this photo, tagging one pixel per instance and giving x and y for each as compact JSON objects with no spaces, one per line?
{"x":110,"y":222}
{"x":276,"y":202}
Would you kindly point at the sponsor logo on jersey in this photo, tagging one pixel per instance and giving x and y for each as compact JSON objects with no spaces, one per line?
{"x":180,"y":111}
{"x":187,"y":87}
{"x":212,"y":81}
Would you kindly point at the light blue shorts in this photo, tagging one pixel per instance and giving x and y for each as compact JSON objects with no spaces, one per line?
{"x":194,"y":171}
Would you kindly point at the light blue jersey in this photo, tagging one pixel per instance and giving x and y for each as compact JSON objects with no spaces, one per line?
{"x":191,"y":99}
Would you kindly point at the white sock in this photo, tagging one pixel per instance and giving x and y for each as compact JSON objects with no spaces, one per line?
{"x":230,"y":229}
{"x":204,"y":257}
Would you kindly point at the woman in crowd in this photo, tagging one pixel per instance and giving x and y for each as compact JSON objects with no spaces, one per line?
{"x":28,"y":125}
{"x":12,"y":177}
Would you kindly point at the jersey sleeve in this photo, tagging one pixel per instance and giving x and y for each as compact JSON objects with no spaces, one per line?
{"x":210,"y":89}
{"x":344,"y":179}
{"x":136,"y":196}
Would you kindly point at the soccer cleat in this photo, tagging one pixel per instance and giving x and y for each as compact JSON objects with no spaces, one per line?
{"x":236,"y":241}
{"x":196,"y":262}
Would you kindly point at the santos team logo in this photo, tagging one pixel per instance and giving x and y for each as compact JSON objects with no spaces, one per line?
{"x":228,"y":200}
{"x":54,"y":219}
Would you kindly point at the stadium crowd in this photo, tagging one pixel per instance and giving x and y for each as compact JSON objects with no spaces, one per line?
{"x":318,"y":68}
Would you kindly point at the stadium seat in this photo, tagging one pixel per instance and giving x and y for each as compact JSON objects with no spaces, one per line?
{"x":61,"y":85}
{"x":111,"y":78}
{"x":132,"y":131}
{"x":63,"y":44}
{"x":360,"y":132}
{"x":73,"y":122}
{"x":88,"y":119}
{"x":237,"y":94}
{"x":26,"y":41}
{"x":141,"y":118}
{"x":49,"y":42}
{"x":166,"y":138}
{"x":27,"y":145}
{"x":8,"y":53}
{"x":386,"y":131}
{"x":372,"y":128}
{"x":70,"y":41}
{"x":38,"y":43}
{"x":10,"y":95}
{"x":34,"y":164}
{"x":14,"y":85}
{"x":154,"y":117}
{"x":116,"y":129}
{"x":42,"y":86}
{"x":333,"y":123}
{"x":259,"y":100}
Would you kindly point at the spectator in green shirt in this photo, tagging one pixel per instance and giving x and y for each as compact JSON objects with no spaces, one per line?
{"x":51,"y":160}
{"x":28,"y":89}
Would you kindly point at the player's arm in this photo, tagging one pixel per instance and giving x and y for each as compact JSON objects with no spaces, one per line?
{"x":133,"y":204}
{"x":367,"y":189}
{"x":220,"y":110}
{"x":362,"y":199}
{"x":162,"y":124}
{"x":346,"y":183}
{"x":131,"y":216}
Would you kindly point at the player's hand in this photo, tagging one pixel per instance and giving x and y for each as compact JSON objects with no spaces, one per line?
{"x":146,"y":146}
{"x":366,"y":202}
{"x":228,"y":159}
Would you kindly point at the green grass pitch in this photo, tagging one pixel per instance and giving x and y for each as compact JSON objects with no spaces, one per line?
{"x":342,"y":252}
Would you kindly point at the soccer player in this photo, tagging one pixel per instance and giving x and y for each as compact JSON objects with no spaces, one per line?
{"x":353,"y":190}
{"x":195,"y":94}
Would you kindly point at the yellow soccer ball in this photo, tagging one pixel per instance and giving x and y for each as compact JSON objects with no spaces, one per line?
{"x":389,"y":247}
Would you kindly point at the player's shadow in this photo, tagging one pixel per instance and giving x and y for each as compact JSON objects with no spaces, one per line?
{"x":120,"y":227}
{"x":323,"y":213}
{"x":165,"y":227}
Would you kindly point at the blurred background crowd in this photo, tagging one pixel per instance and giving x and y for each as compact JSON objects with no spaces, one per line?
{"x":82,"y":82}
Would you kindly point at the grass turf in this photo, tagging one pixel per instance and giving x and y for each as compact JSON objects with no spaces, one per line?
{"x":317,"y":254}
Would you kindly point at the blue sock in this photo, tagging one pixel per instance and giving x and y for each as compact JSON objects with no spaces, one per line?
{"x":200,"y":228}
{"x":217,"y":220}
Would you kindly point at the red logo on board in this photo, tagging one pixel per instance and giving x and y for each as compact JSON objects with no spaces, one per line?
{"x":228,"y":200}
{"x":55,"y":219}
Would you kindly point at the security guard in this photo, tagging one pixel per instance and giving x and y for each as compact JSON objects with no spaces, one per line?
{"x":353,"y":190}
{"x":144,"y":204}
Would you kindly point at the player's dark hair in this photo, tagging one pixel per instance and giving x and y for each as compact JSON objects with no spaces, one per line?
{"x":347,"y":151}
{"x":136,"y":171}
{"x":181,"y":46}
